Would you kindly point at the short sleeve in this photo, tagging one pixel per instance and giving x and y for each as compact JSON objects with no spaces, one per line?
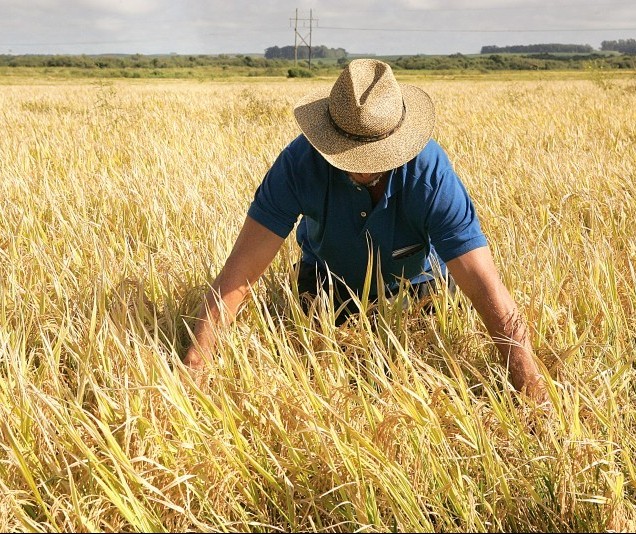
{"x":451,"y":219}
{"x":275,"y":204}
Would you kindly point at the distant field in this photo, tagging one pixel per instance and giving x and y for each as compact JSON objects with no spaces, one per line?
{"x":467,"y":67}
{"x":121,"y":200}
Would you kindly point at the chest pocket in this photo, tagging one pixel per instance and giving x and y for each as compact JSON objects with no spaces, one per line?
{"x":410,"y":260}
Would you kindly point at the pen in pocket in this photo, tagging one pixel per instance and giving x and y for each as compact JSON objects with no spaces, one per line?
{"x":409,"y":250}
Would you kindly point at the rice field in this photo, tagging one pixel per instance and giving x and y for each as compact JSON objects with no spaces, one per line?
{"x":119,"y":204}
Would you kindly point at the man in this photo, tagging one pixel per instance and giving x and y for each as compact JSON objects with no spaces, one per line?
{"x":367,"y":178}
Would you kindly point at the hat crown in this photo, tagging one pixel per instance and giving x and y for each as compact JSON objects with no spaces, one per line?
{"x":366,"y":99}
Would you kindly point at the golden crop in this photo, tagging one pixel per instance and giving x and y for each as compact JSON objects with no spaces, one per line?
{"x":119,"y":203}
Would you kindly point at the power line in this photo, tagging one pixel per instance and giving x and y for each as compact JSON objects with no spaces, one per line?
{"x":502,"y":8}
{"x":438,"y":30}
{"x":83,"y":43}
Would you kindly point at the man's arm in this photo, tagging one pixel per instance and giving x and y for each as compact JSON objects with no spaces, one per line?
{"x":476,"y":275}
{"x":254,"y":250}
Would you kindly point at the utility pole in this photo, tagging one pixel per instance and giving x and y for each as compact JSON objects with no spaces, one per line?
{"x":297,"y":35}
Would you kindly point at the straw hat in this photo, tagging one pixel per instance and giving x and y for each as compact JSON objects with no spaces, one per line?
{"x":367,"y":122}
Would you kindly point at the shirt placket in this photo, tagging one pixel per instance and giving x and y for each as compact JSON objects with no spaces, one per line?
{"x":361,"y":206}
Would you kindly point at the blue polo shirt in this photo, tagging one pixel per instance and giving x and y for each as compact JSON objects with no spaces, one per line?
{"x":424,"y":211}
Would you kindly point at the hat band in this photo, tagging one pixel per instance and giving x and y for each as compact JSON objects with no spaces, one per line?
{"x":367,"y":138}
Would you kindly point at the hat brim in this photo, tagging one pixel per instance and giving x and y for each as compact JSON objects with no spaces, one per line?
{"x":404,"y":144}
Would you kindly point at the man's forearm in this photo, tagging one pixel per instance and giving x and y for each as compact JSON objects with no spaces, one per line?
{"x":477,"y":277}
{"x":253,"y":251}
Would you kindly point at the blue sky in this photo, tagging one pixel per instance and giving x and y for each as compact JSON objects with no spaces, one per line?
{"x":240,"y":26}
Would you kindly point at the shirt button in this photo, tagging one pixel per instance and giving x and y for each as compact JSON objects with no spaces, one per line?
{"x":363,"y":214}
{"x":359,"y":188}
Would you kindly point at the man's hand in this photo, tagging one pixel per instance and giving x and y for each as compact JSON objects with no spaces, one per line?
{"x":194,"y":359}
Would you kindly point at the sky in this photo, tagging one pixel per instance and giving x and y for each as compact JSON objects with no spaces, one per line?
{"x":389,"y":27}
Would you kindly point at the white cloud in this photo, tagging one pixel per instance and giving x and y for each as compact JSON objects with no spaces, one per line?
{"x":117,"y":7}
{"x":359,"y":26}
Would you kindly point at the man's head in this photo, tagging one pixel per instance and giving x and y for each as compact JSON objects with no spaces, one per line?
{"x":367,"y":122}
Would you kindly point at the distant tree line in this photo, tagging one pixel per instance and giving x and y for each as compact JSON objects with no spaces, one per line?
{"x":550,"y":48}
{"x":136,"y":61}
{"x":489,"y":62}
{"x":624,"y":46}
{"x":318,"y":52}
{"x":173,"y":65}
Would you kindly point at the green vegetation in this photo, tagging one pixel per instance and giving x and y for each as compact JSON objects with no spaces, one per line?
{"x":550,"y":48}
{"x":491,"y":62}
{"x":224,"y":65}
{"x":299,"y":73}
